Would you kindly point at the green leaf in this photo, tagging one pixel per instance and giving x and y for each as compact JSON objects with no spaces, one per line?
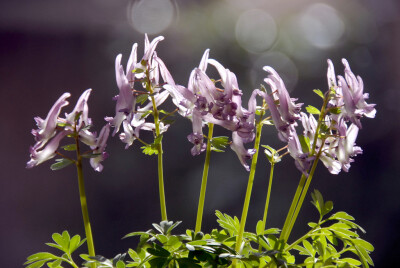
{"x":149,"y":149}
{"x":120,"y":264}
{"x":40,"y":256}
{"x":310,"y":249}
{"x":137,"y":234}
{"x":271,"y":153}
{"x":74,"y":243}
{"x":319,"y":93}
{"x":328,"y":207}
{"x":61,"y":163}
{"x":59,"y":239}
{"x":90,"y":155}
{"x":158,"y":251}
{"x":260,"y":227}
{"x":219,"y":143}
{"x":145,"y":114}
{"x":69,"y":147}
{"x":312,"y":110}
{"x":363,"y":244}
{"x":37,"y":264}
{"x":141,"y":98}
{"x":77,"y":115}
{"x":138,"y":70}
{"x":335,"y":110}
{"x":342,"y":215}
{"x":351,"y":261}
{"x":318,"y":201}
{"x":228,"y":223}
{"x":305,"y":143}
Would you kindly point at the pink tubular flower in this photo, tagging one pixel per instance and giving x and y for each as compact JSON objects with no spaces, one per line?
{"x":350,"y":95}
{"x":99,"y":149}
{"x":203,"y":103}
{"x":287,"y":108}
{"x":77,"y":122}
{"x":47,"y":127}
{"x":48,"y":152}
{"x":128,"y":113}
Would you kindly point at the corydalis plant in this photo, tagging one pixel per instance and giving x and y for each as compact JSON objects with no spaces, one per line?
{"x":144,"y":85}
{"x":204,"y":102}
{"x":139,"y":85}
{"x":332,"y":137}
{"x":76,"y":126}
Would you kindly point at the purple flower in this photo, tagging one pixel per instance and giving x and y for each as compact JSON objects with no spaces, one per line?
{"x":242,"y":153}
{"x":346,"y":144}
{"x":132,"y":117}
{"x":288,"y":110}
{"x":350,"y":95}
{"x":80,"y":107}
{"x":47,"y":127}
{"x":328,"y":152}
{"x":125,"y":100}
{"x":196,"y":137}
{"x":49,"y":151}
{"x":99,"y":149}
{"x":302,"y":160}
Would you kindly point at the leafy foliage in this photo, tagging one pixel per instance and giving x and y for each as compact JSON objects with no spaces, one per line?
{"x":218,"y":144}
{"x":64,"y":243}
{"x":333,"y":241}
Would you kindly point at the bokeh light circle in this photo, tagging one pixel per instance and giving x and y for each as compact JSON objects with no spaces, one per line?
{"x":151,"y":16}
{"x":255,"y":30}
{"x":321,"y":25}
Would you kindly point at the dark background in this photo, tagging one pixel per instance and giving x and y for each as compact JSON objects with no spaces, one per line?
{"x":49,"y":47}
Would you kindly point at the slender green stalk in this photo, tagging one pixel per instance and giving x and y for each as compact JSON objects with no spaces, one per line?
{"x":271,"y":175}
{"x":293,"y":206}
{"x":243,"y":219}
{"x":304,"y":193}
{"x":200,"y":208}
{"x":290,"y":218}
{"x":82,"y":195}
{"x":156,"y":115}
{"x":160,"y":163}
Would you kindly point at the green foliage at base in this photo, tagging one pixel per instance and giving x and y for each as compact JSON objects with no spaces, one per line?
{"x":332,"y":241}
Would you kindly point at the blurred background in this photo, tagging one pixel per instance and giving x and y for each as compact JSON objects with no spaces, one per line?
{"x":49,"y":47}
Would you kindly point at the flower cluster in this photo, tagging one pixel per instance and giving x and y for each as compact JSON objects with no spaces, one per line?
{"x":334,"y":134}
{"x":203,"y":102}
{"x":53,"y":129}
{"x":147,"y":73}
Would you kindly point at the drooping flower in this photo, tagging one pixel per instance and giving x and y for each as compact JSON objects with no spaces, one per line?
{"x":47,"y":127}
{"x":147,"y":72}
{"x":327,"y":147}
{"x":48,"y":152}
{"x":288,"y":109}
{"x":203,"y":102}
{"x":350,"y":95}
{"x":54,"y":128}
{"x":99,"y":148}
{"x":284,"y":111}
{"x":346,"y":144}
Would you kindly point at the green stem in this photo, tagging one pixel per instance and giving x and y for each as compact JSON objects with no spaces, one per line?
{"x":308,"y":234}
{"x":239,"y":238}
{"x":304,"y":193}
{"x":82,"y":195}
{"x":200,"y":208}
{"x":293,"y":207}
{"x":291,"y":218}
{"x":156,"y":115}
{"x":271,"y":175}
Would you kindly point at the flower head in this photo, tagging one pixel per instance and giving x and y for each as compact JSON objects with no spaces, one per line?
{"x":53,"y":129}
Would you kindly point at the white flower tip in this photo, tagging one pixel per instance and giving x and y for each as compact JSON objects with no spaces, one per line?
{"x":346,"y":63}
